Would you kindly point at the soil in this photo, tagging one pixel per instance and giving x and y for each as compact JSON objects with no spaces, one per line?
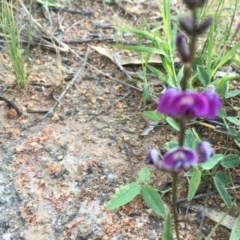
{"x":56,"y":175}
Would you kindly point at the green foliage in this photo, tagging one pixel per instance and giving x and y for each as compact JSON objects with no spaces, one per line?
{"x":52,"y":3}
{"x":144,"y":175}
{"x":11,"y":32}
{"x":167,"y":228}
{"x":153,"y":115}
{"x":127,"y":193}
{"x":124,"y":195}
{"x":235,"y":234}
{"x":222,"y":191}
{"x":172,"y":123}
{"x":231,"y":161}
{"x":194,"y":183}
{"x":153,"y":199}
{"x":212,"y":162}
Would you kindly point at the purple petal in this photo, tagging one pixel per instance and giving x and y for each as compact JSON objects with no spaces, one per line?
{"x":165,"y":101}
{"x":154,"y":158}
{"x":189,"y":104}
{"x":213,"y":102}
{"x":179,"y":158}
{"x":204,"y":151}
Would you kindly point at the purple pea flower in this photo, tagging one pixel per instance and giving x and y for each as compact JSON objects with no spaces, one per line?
{"x":184,"y":104}
{"x":179,"y":158}
{"x":204,"y":151}
{"x":213,"y":102}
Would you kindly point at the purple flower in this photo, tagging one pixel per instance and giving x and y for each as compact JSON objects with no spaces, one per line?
{"x":184,"y":104}
{"x":154,"y":158}
{"x":165,"y":101}
{"x":204,"y":151}
{"x":179,"y":158}
{"x":213,"y":102}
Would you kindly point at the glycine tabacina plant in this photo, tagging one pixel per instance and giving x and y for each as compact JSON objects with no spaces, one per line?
{"x":184,"y":105}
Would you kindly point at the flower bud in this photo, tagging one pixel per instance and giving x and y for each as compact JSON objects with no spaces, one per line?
{"x":204,"y":25}
{"x":187,"y":24}
{"x":183,"y":48}
{"x":193,"y":4}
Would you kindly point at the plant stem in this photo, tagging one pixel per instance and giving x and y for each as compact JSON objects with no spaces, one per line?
{"x":174,"y":203}
{"x":192,"y":50}
{"x":182,"y":132}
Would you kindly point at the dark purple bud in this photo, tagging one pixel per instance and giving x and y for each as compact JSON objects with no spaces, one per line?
{"x":179,"y":158}
{"x":204,"y":25}
{"x":204,"y":151}
{"x":187,"y":24}
{"x":193,"y":4}
{"x":183,"y":48}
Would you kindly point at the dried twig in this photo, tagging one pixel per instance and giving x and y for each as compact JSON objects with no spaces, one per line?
{"x":10,"y":103}
{"x":43,"y":37}
{"x":59,"y":99}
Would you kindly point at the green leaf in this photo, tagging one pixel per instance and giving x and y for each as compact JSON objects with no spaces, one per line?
{"x":142,"y":49}
{"x":222,"y":113}
{"x":180,"y":74}
{"x":144,"y":175}
{"x":203,"y":76}
{"x":139,"y":32}
{"x":232,"y":93}
{"x":167,"y":228}
{"x":171,"y":144}
{"x":222,"y":88}
{"x":161,"y":76}
{"x":223,"y":177}
{"x":231,"y":161}
{"x":172,"y":123}
{"x":227,"y":56}
{"x":194,"y":183}
{"x":237,"y":140}
{"x":235,"y":234}
{"x":212,"y":162}
{"x":153,"y":199}
{"x":223,"y":192}
{"x":124,"y":195}
{"x":153,"y":115}
{"x":190,"y":140}
{"x":234,"y":120}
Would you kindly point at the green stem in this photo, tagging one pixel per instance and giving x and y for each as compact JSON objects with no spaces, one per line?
{"x":174,"y":203}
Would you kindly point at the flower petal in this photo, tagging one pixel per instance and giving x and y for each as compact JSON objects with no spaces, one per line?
{"x":213,"y":102}
{"x":154,"y":158}
{"x":179,"y":158}
{"x":204,"y":151}
{"x":165,"y":101}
